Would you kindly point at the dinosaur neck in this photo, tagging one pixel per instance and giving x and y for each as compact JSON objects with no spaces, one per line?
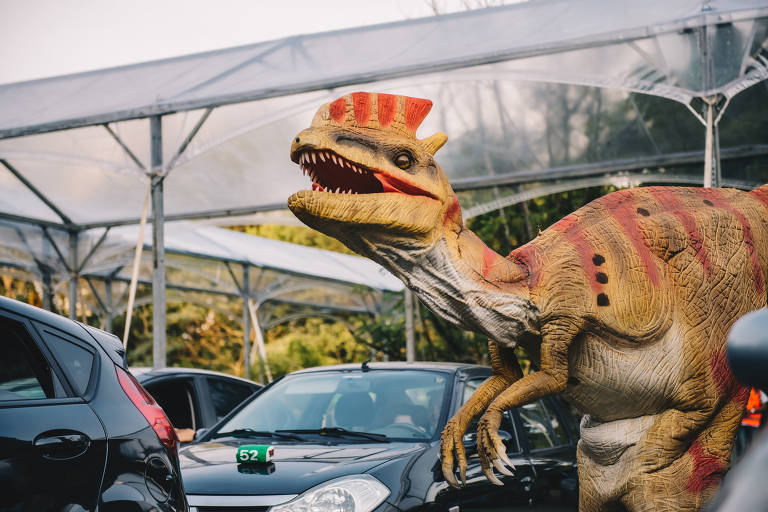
{"x":464,"y":281}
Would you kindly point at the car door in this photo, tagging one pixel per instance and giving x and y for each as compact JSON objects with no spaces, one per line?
{"x":225,"y":395}
{"x":480,"y":495}
{"x":550,"y":441}
{"x":52,"y":444}
{"x":178,"y":396}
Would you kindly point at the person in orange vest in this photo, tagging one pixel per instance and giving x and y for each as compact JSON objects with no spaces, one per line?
{"x":756,"y":406}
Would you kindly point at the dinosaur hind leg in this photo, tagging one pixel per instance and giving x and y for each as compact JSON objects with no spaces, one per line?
{"x":692,"y":479}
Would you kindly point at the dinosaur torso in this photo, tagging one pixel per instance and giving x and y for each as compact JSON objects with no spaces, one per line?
{"x":624,"y":304}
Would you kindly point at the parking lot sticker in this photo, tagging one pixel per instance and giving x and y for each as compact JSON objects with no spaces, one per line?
{"x":255,"y":453}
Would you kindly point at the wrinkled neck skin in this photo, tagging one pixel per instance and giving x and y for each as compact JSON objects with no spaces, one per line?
{"x":457,"y":276}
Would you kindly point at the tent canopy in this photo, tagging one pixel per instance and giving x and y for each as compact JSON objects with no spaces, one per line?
{"x":535,"y":97}
{"x":228,"y":115}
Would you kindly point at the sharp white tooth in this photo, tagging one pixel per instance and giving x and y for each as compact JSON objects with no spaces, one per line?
{"x":349,"y":165}
{"x":333,"y":157}
{"x":304,"y":158}
{"x":338,"y":189}
{"x":322,"y":156}
{"x":314,"y":158}
{"x":328,"y":155}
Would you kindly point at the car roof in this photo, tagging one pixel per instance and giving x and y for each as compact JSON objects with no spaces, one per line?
{"x":447,"y":367}
{"x":143,"y":373}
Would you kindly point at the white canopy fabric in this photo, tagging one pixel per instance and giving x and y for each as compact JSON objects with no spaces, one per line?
{"x":529,"y":94}
{"x":492,"y":73}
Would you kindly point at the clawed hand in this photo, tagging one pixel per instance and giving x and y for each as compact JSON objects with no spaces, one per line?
{"x":490,"y":448}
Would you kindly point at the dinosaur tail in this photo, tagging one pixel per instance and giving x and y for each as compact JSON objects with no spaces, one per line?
{"x":761,"y":193}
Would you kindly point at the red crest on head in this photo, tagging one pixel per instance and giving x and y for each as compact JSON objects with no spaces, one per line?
{"x":399,"y":114}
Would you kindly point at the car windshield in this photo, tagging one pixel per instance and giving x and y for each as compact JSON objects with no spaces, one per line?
{"x":398,"y":404}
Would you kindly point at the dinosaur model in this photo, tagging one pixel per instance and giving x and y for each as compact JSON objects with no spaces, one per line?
{"x":623,"y":305}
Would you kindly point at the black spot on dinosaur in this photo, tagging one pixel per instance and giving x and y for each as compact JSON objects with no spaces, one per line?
{"x":708,"y":202}
{"x":601,"y":277}
{"x":602,"y":300}
{"x":573,"y":381}
{"x":598,"y":259}
{"x":643,"y":212}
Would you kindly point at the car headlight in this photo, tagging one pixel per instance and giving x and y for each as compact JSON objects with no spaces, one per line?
{"x":357,"y":493}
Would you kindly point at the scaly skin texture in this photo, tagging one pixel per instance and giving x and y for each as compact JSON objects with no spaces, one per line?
{"x":623,"y":305}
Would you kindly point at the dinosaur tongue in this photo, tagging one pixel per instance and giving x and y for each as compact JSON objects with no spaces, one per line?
{"x":392,"y":184}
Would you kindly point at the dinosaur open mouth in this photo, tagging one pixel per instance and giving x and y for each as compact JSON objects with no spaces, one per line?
{"x":330,"y":172}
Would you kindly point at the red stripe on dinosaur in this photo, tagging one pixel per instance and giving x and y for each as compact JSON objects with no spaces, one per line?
{"x":714,"y":195}
{"x":361,"y":102}
{"x":490,"y":259}
{"x":453,"y":212}
{"x":707,"y":470}
{"x":387,"y":109}
{"x":761,"y":193}
{"x":338,"y":110}
{"x":670,"y":203}
{"x":416,"y":110}
{"x":528,"y":257}
{"x":569,"y":228}
{"x":621,"y":206}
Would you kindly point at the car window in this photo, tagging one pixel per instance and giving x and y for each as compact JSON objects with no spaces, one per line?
{"x":405,"y":404}
{"x":542,"y":426}
{"x":175,"y":397}
{"x":24,"y":372}
{"x":226,"y":395}
{"x":76,"y":360}
{"x":506,"y":426}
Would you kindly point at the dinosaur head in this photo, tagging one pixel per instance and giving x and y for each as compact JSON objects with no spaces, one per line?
{"x":371,"y":176}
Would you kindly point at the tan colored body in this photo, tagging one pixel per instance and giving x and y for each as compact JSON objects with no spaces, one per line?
{"x":624,"y":305}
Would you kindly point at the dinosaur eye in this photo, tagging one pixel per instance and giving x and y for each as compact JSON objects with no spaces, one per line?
{"x":403,"y":160}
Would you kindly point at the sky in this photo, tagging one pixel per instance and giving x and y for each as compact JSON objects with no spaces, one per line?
{"x":43,"y":38}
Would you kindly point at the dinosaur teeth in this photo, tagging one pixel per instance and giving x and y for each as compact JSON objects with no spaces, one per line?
{"x":333,"y":157}
{"x":322,"y":156}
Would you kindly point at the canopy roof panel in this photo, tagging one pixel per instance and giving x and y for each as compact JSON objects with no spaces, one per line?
{"x":363,"y":55}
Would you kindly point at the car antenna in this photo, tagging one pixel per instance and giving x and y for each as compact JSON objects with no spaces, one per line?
{"x":365,"y":367}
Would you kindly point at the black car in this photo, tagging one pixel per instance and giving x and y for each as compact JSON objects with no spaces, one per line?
{"x":367,"y":437}
{"x":77,"y":431}
{"x":194,"y":399}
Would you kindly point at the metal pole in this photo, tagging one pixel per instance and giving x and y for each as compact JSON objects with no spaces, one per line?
{"x":73,"y":275}
{"x":716,"y":157}
{"x":246,"y":323}
{"x":410,"y":346}
{"x":708,"y":147}
{"x":108,"y":303}
{"x":158,"y":244}
{"x":47,"y":290}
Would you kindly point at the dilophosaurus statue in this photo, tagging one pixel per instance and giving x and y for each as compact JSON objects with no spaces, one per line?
{"x":623,"y":305}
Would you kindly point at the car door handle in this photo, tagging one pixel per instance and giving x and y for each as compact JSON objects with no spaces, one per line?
{"x":526,"y":483}
{"x":62,"y":445}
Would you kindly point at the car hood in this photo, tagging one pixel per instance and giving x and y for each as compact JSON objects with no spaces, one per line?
{"x":210,"y":468}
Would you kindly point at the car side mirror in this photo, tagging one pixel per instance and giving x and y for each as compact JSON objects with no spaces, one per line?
{"x":747,"y":349}
{"x":200,"y":433}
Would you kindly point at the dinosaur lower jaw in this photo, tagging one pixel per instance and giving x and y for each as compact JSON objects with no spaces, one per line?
{"x":339,"y":214}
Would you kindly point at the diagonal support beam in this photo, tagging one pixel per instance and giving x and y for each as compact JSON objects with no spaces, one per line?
{"x":188,"y":139}
{"x":64,"y":218}
{"x":122,"y":144}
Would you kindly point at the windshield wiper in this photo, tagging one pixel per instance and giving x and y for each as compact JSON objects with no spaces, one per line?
{"x":338,"y":432}
{"x":249,"y":432}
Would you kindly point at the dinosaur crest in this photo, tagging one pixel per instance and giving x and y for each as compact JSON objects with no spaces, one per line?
{"x":400,"y":115}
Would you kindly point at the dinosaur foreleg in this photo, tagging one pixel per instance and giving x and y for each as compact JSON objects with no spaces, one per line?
{"x":506,"y":370}
{"x":550,"y":379}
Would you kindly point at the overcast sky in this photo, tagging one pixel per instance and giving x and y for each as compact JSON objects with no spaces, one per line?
{"x":42,"y":38}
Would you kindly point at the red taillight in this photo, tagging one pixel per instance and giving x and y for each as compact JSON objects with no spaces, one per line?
{"x":148,"y":408}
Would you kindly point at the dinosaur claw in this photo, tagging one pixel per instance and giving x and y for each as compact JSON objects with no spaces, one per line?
{"x":491,"y":477}
{"x":505,"y":460}
{"x":501,"y":468}
{"x":463,"y":474}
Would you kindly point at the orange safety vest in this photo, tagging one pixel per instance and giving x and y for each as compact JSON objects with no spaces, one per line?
{"x":752,"y":419}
